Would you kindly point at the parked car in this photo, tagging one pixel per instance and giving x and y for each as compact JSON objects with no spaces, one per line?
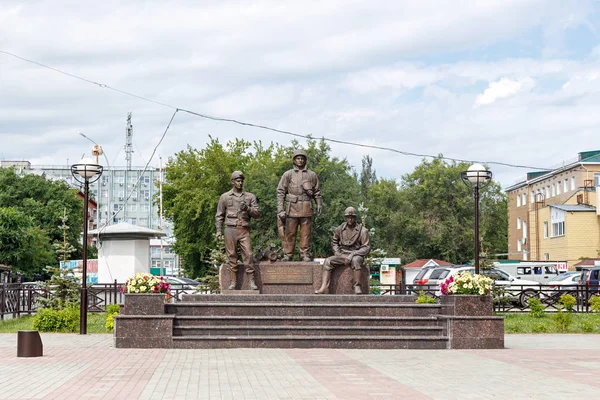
{"x":182,"y":285}
{"x":429,"y":279}
{"x":517,"y":290}
{"x":590,"y":277}
{"x":564,"y":283}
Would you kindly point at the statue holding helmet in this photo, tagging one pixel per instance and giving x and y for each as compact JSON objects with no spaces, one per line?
{"x":234,"y":210}
{"x":351,"y":245}
{"x":297,"y":190}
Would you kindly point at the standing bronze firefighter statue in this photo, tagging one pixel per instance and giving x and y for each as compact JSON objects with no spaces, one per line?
{"x":351,"y":245}
{"x":235,"y":208}
{"x":296,"y":191}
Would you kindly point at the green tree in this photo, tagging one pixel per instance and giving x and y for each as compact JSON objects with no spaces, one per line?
{"x":37,"y":206}
{"x":196,"y":178}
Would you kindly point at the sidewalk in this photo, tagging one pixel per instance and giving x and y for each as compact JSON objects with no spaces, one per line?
{"x":89,"y":367}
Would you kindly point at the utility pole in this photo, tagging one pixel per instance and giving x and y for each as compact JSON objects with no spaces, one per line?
{"x":128,"y":141}
{"x":160,"y":213}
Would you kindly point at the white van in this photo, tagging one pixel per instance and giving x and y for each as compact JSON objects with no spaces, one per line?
{"x":539,"y":271}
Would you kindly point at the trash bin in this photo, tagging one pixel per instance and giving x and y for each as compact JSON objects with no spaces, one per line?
{"x":29,"y":344}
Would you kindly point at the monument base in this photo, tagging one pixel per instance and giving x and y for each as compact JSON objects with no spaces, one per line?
{"x":289,"y":277}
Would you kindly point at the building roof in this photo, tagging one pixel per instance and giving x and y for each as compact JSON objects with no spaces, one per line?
{"x":127,"y":229}
{"x":587,"y":262}
{"x":420,"y":263}
{"x":573,"y":207}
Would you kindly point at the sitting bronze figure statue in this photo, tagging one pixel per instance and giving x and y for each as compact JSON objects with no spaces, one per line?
{"x":351,"y":245}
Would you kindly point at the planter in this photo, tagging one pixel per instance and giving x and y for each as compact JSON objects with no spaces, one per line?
{"x":144,"y":304}
{"x":468,"y":305}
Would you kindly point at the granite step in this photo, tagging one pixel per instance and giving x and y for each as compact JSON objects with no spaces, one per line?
{"x":211,"y":320}
{"x":297,"y":298}
{"x":303,"y":309}
{"x":298,"y":341}
{"x":326,"y":330}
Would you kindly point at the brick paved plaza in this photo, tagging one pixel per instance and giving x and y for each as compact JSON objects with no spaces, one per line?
{"x":89,"y":367}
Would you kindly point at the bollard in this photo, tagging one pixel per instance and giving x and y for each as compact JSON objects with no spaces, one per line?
{"x":29,"y":344}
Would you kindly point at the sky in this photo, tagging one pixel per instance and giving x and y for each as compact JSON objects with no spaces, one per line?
{"x":513,"y":82}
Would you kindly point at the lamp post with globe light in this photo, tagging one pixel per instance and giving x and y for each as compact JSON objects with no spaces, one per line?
{"x":86,"y":171}
{"x":476,"y":175}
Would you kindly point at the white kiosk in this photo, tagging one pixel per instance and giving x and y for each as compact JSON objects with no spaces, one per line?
{"x":123,"y":251}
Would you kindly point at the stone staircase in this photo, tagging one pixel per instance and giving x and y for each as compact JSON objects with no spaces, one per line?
{"x":306,"y":321}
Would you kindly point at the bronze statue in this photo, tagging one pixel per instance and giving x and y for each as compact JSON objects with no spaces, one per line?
{"x":235,"y":208}
{"x":350,"y":244}
{"x":298,"y":187}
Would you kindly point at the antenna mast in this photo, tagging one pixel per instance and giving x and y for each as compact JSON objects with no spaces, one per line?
{"x":129,"y":141}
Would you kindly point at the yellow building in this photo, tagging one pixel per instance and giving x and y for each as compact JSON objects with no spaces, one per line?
{"x":552,"y":215}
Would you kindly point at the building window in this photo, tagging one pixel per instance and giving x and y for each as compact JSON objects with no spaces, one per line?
{"x":133,"y":207}
{"x":518,"y":200}
{"x":565,"y":186}
{"x":519,"y":245}
{"x":519,"y":223}
{"x":557,"y":219}
{"x":532,"y":197}
{"x":558,"y":188}
{"x":547,"y":255}
{"x":524,"y":198}
{"x":596,"y":180}
{"x":553,"y":191}
{"x":545,"y":229}
{"x":524,"y":229}
{"x":572,"y":183}
{"x":547,"y":192}
{"x":558,"y":229}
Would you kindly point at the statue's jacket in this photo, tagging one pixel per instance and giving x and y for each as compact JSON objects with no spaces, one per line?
{"x":346,"y":239}
{"x":228,"y":209}
{"x":298,"y":202}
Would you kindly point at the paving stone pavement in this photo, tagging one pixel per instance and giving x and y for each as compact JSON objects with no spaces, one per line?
{"x":89,"y":367}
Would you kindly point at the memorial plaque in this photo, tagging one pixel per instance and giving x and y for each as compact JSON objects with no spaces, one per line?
{"x":279,"y":274}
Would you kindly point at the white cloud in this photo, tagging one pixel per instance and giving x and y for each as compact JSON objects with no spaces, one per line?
{"x":502,"y":89}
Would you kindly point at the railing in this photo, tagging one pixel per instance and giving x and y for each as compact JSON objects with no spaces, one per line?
{"x":18,"y":298}
{"x":512,"y":298}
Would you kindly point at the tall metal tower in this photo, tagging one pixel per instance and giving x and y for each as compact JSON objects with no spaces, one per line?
{"x":129,"y":141}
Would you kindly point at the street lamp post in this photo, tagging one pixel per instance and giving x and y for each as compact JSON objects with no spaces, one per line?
{"x":86,"y":171}
{"x":476,"y":176}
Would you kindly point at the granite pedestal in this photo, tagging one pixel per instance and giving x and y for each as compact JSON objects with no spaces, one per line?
{"x":289,"y":277}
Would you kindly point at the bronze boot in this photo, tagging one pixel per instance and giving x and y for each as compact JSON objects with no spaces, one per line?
{"x":233,"y":283}
{"x":357,"y":275}
{"x":251,"y":282}
{"x":326,"y":280}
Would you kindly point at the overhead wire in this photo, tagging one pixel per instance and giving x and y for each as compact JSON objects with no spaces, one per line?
{"x":264,"y":127}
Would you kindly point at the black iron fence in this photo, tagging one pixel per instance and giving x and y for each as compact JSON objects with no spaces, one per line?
{"x":510,"y":298}
{"x":17,"y":299}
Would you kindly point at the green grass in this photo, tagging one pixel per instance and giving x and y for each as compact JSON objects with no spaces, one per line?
{"x":524,"y":323}
{"x":95,"y":324}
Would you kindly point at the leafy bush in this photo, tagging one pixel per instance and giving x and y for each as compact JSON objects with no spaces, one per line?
{"x":51,"y":320}
{"x":424,"y":299}
{"x":536,"y":308}
{"x":539,"y":328}
{"x":562,"y":320}
{"x":595,"y":303}
{"x":374,"y":287}
{"x":568,"y":301}
{"x":111,"y":311}
{"x":112,"y":308}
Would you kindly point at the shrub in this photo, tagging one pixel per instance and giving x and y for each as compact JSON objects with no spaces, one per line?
{"x":539,"y":328}
{"x":595,"y":303}
{"x":374,"y":287}
{"x":51,"y":320}
{"x":63,"y":289}
{"x":562,"y":320}
{"x":424,"y":299}
{"x":111,"y":311}
{"x":568,"y":301}
{"x":536,"y":308}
